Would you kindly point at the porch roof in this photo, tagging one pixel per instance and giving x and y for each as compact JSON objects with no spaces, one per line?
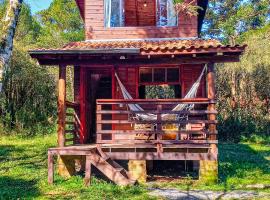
{"x":140,"y":48}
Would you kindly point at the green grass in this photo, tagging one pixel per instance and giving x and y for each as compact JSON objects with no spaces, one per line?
{"x":23,"y":172}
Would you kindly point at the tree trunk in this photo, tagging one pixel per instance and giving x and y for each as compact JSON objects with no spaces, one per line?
{"x":6,"y":40}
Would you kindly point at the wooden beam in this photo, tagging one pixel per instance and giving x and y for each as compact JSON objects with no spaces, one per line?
{"x":161,"y":156}
{"x":211,"y":94}
{"x":61,"y":105}
{"x":87,"y":179}
{"x":133,"y":62}
{"x":211,"y":82}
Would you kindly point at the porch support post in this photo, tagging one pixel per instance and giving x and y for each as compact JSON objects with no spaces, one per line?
{"x":209,"y":168}
{"x":61,"y":105}
{"x":66,"y":166}
{"x":211,"y":94}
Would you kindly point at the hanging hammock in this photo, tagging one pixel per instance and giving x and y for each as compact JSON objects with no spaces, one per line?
{"x":180,"y":107}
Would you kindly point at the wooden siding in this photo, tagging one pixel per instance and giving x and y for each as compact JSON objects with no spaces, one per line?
{"x":189,"y":75}
{"x":94,"y":25}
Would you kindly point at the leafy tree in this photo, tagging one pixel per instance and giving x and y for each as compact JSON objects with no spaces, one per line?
{"x":61,"y":23}
{"x":243,"y":90}
{"x":228,"y":19}
{"x":29,"y":95}
{"x":9,"y":24}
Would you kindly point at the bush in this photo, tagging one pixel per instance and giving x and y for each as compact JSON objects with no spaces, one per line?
{"x":28,"y":98}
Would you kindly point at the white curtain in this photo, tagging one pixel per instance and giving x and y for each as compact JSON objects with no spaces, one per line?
{"x":108,"y":12}
{"x":171,"y":14}
{"x":166,"y":13}
{"x":114,"y":13}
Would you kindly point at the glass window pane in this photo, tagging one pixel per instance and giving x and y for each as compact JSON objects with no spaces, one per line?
{"x":173,"y":74}
{"x":167,"y":15}
{"x":114,"y":13}
{"x":159,"y":75}
{"x":145,"y":75}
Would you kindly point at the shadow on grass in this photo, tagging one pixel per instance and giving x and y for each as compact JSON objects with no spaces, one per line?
{"x":17,"y":188}
{"x":240,"y":161}
{"x":11,"y":187}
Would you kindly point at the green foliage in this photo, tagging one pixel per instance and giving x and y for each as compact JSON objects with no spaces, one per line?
{"x":243,"y":90}
{"x":159,"y":92}
{"x":61,"y":23}
{"x":228,"y":19}
{"x":28,"y":100}
{"x":28,"y":29}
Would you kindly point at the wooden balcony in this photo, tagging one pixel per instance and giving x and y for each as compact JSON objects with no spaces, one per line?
{"x":117,"y":124}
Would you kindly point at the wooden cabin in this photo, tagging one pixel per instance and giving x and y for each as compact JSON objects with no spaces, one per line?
{"x":148,"y":50}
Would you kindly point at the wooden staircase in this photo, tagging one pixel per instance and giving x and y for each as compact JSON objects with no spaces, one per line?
{"x":108,"y":167}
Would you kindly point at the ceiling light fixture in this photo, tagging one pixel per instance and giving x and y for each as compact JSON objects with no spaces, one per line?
{"x":145,"y":4}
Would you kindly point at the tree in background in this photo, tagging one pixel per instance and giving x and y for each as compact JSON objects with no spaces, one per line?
{"x":229,"y":19}
{"x":60,"y":23}
{"x":28,"y":101}
{"x":7,"y":34}
{"x":242,"y":88}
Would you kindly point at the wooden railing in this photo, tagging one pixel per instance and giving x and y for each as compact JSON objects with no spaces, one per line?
{"x":73,"y":124}
{"x":117,"y":124}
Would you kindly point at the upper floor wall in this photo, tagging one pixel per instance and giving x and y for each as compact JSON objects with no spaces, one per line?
{"x":136,"y":19}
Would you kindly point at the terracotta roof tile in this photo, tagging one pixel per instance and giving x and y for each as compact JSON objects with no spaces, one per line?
{"x":146,"y":45}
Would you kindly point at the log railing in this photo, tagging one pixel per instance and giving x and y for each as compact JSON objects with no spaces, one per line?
{"x":116,"y":124}
{"x":72,"y":124}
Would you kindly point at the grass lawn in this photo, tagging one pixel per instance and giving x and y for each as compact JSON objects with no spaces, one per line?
{"x":23,"y":172}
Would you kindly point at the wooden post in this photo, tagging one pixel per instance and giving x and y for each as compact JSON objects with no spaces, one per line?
{"x":98,"y":125}
{"x":61,"y":105}
{"x":159,"y":129}
{"x":211,"y":93}
{"x":208,"y":168}
{"x":87,"y":179}
{"x":50,"y":168}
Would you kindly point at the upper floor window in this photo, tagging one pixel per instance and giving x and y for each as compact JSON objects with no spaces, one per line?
{"x":119,"y":13}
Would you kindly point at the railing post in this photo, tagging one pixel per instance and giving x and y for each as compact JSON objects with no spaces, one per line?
{"x":159,"y":128}
{"x":211,"y":95}
{"x":99,"y":126}
{"x":61,"y":105}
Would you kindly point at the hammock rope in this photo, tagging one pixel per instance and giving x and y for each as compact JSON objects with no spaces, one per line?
{"x":180,"y":107}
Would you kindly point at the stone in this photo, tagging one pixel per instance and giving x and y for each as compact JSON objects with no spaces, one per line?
{"x":137,"y":170}
{"x":66,"y":166}
{"x":208,"y":172}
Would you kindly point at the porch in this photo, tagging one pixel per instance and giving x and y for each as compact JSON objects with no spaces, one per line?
{"x":99,"y":125}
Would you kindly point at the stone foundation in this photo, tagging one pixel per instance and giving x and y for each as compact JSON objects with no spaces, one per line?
{"x":137,"y":170}
{"x":66,"y":166}
{"x":208,"y":171}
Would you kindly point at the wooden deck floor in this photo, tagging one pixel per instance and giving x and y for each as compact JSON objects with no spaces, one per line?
{"x":141,"y":151}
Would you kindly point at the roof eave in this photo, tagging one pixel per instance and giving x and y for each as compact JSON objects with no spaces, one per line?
{"x":88,"y":51}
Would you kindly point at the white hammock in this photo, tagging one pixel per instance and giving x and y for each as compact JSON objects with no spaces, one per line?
{"x":180,"y":107}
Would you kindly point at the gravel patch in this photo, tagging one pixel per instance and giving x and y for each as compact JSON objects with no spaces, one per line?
{"x":172,"y":194}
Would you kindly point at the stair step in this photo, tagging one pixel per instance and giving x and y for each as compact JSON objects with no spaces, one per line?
{"x":119,"y":169}
{"x":110,"y":168}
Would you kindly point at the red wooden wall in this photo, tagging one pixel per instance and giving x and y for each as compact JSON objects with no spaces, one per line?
{"x":86,"y":90}
{"x":94,"y":24}
{"x":189,"y":75}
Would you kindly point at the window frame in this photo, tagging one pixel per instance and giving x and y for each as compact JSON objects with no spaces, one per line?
{"x":146,"y":27}
{"x":166,"y":82}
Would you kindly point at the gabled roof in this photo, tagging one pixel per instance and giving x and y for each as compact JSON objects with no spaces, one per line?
{"x":201,"y":12}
